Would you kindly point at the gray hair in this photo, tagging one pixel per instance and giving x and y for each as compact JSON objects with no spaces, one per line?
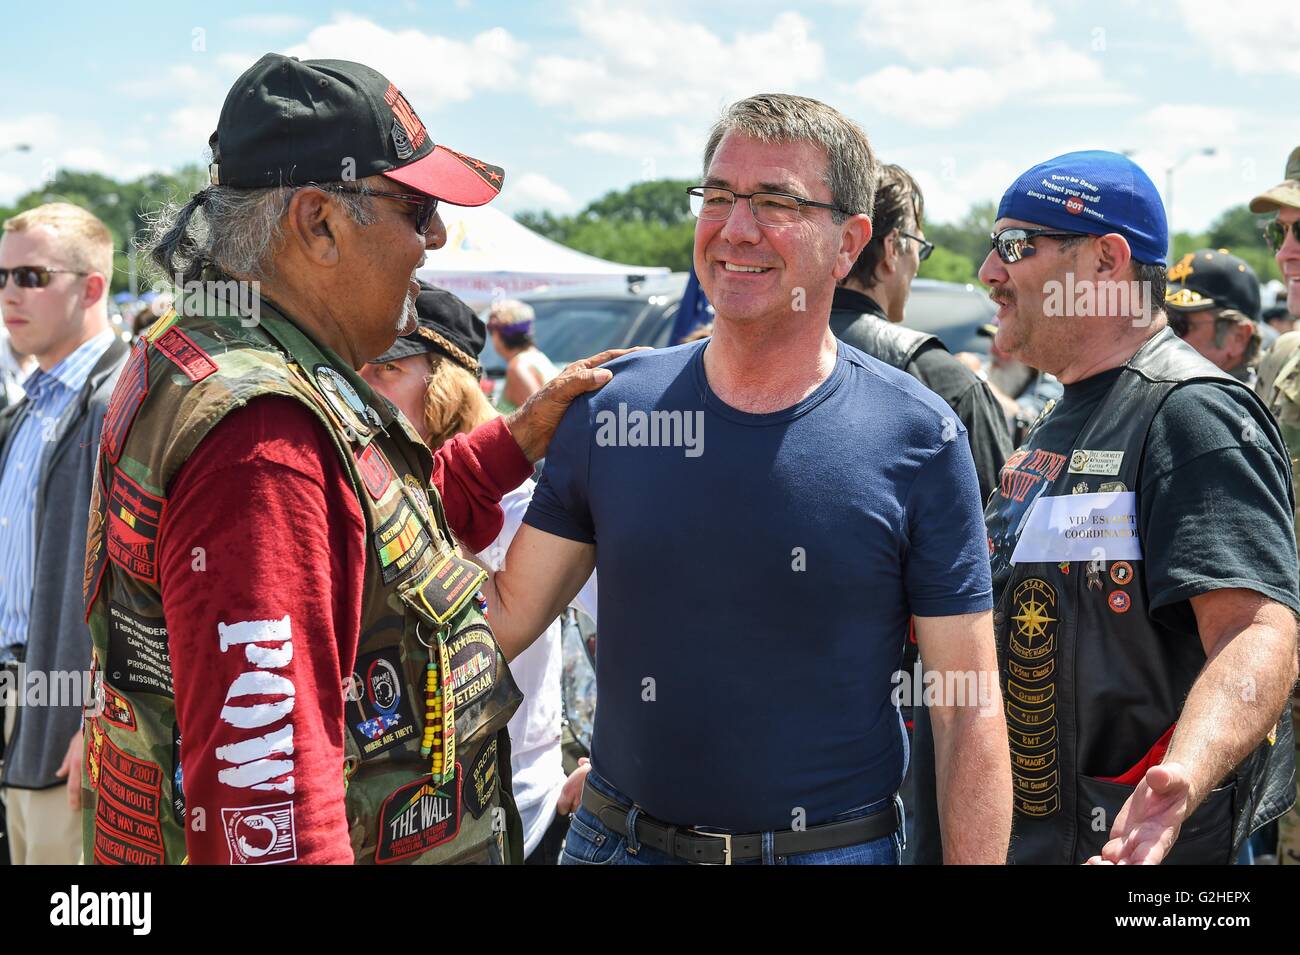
{"x":852,"y":171}
{"x":231,"y":230}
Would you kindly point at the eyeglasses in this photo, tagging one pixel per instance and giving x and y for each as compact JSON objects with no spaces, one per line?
{"x":33,"y":276}
{"x":1012,"y":245}
{"x":768,"y":208}
{"x":427,"y":205}
{"x":926,"y":247}
{"x":1275,"y":233}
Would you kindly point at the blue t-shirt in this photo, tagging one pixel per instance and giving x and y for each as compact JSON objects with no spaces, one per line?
{"x":757,"y":573}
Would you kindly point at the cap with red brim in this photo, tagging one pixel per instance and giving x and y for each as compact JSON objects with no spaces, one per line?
{"x":451,"y":176}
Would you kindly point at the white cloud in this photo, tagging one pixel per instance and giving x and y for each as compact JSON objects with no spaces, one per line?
{"x":534,"y":191}
{"x":650,"y":65}
{"x":951,"y":186}
{"x":430,"y":70}
{"x":1259,"y":39}
{"x":946,"y":31}
{"x":268,"y":23}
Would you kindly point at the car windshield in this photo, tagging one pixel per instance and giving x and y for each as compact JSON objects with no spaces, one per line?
{"x":953,"y":313}
{"x":572,"y":328}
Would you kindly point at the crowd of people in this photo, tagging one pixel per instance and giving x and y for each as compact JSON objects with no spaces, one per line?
{"x":318,"y":593}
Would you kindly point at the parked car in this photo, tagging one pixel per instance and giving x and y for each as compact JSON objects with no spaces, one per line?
{"x":574,"y":324}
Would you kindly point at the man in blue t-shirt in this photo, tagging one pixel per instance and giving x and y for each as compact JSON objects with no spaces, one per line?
{"x":768,"y":510}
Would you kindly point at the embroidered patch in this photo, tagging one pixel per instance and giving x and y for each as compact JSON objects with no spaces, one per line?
{"x":418,"y":817}
{"x":473,"y":664}
{"x":1030,"y":706}
{"x":127,"y":831}
{"x":128,"y":395}
{"x":261,"y":835}
{"x":375,"y":470}
{"x":134,"y":520}
{"x":378,"y":712}
{"x":117,"y":708}
{"x":482,"y":779}
{"x":399,"y":542}
{"x":185,"y":355}
{"x":94,"y":571}
{"x":450,"y":582}
{"x":138,"y":659}
{"x":94,"y":750}
{"x":405,"y":123}
{"x":178,"y":781}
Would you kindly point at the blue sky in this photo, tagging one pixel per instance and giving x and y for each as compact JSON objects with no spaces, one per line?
{"x":577,"y":97}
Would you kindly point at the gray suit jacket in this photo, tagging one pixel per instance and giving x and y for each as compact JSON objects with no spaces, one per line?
{"x":58,"y":640}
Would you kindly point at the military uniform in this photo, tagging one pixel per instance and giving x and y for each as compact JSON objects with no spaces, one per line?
{"x":1279,"y":387}
{"x":428,"y":672}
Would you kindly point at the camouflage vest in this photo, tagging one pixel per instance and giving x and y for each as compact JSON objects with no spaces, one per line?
{"x":420,"y":603}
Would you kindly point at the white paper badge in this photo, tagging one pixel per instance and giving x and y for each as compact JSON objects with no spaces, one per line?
{"x":1084,"y":461}
{"x":1080,"y":527}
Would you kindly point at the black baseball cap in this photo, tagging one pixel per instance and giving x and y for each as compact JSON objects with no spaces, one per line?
{"x":445,"y":325}
{"x":1212,"y":278}
{"x":289,"y":122}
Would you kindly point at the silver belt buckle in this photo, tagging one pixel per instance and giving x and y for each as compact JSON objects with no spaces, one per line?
{"x":726,"y":846}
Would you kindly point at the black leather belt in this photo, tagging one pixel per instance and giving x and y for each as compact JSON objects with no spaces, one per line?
{"x":707,"y":848}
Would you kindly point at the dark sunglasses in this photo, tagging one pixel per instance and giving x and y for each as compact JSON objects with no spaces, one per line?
{"x":33,"y":276}
{"x":926,"y":247}
{"x":1012,"y":245}
{"x":1275,"y":233}
{"x":426,"y":205}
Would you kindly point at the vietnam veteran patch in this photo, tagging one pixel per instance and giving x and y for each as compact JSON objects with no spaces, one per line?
{"x":400,"y":542}
{"x":134,"y":519}
{"x":418,"y":817}
{"x":473,"y":664}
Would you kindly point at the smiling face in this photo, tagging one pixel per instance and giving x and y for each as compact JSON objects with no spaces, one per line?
{"x":757,"y":273}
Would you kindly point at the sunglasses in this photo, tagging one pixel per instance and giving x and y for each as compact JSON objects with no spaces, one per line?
{"x":926,"y":247}
{"x":1275,"y":233}
{"x":33,"y":276}
{"x":1012,"y":245}
{"x":426,"y":206}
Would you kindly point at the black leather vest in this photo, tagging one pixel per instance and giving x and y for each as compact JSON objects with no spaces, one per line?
{"x":878,"y":337}
{"x":1090,"y":681}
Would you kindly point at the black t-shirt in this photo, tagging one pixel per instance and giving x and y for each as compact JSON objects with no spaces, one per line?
{"x":1214,"y":500}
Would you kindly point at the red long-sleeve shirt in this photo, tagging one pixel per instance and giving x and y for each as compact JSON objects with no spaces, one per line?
{"x":262,"y":558}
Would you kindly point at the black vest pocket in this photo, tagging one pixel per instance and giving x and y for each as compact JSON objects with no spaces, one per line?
{"x":1205,"y":838}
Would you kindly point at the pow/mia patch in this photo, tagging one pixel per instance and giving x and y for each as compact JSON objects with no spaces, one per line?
{"x":482,"y":779}
{"x":181,"y":351}
{"x":399,"y":542}
{"x":418,"y":817}
{"x":128,"y":395}
{"x":138,"y":659}
{"x":375,"y":470}
{"x":378,"y":711}
{"x":134,"y":519}
{"x":473,"y":664}
{"x":449,"y":583}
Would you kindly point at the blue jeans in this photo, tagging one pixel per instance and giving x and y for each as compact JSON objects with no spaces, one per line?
{"x":590,"y":842}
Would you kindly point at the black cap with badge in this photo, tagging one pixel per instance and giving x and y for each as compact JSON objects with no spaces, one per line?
{"x":289,"y":122}
{"x":1210,"y":278}
{"x":446,"y":325}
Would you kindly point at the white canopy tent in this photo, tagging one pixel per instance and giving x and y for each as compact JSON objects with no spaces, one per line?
{"x":488,"y":254}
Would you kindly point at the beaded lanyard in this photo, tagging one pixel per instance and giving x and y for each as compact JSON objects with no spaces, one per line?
{"x":439,"y":740}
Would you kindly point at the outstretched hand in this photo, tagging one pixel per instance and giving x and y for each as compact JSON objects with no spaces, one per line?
{"x":1148,"y":825}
